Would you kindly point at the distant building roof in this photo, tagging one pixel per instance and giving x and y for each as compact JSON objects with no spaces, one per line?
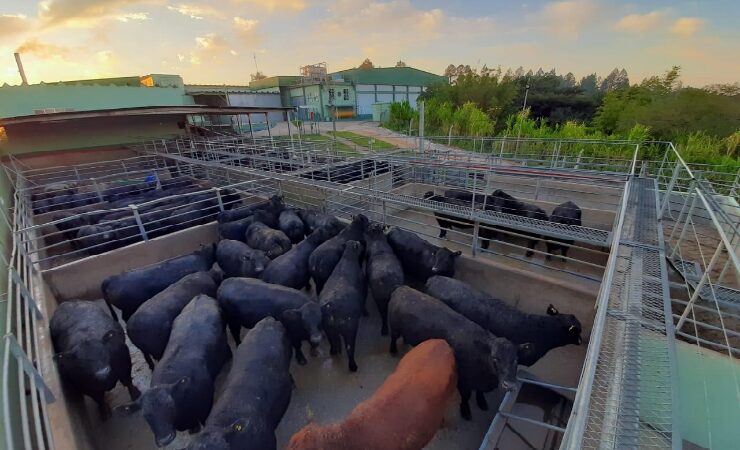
{"x":143,"y":111}
{"x":151,"y":80}
{"x":390,"y":75}
{"x":277,"y":81}
{"x":216,"y":89}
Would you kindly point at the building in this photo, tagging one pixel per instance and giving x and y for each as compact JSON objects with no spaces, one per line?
{"x":349,"y":93}
{"x":111,"y":112}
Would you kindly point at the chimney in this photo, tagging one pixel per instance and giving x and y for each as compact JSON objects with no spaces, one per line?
{"x":20,"y":68}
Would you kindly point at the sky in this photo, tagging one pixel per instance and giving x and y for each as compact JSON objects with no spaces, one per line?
{"x":216,"y":42}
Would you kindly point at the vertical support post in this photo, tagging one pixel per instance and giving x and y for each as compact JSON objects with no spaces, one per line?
{"x":578,"y":160}
{"x":474,"y":244}
{"x":700,"y":286}
{"x":290,"y":132}
{"x":219,"y":198}
{"x":537,"y":189}
{"x":269,"y":130}
{"x":449,"y":137}
{"x":77,"y":173}
{"x":280,"y":187}
{"x":384,"y":213}
{"x":251,"y":128}
{"x":123,"y":164}
{"x":97,"y":189}
{"x":137,"y":217}
{"x":669,"y":190}
{"x":501,"y":153}
{"x":421,"y":127}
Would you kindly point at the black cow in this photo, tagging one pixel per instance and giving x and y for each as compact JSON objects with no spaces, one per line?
{"x":149,"y":327}
{"x":246,"y":301}
{"x":384,"y":271}
{"x":505,"y":203}
{"x":322,"y":261}
{"x":484,"y":361}
{"x":96,"y":239}
{"x":541,"y":333}
{"x":237,"y":259}
{"x":256,"y":395}
{"x":419,"y":258}
{"x":128,"y":290}
{"x":261,"y":237}
{"x":291,"y":269}
{"x":91,"y":351}
{"x":315,"y":220}
{"x":182,"y":387}
{"x":291,"y":224}
{"x":567,"y":213}
{"x":343,"y":301}
{"x":274,"y":204}
{"x":70,"y":224}
{"x":235,"y":230}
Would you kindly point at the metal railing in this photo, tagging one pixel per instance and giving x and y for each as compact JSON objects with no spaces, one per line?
{"x":25,"y":394}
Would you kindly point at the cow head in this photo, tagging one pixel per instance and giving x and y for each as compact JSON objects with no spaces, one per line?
{"x":375,"y":232}
{"x":90,"y":361}
{"x":360,"y":222}
{"x":218,"y":438}
{"x":569,"y":326}
{"x":444,"y":262}
{"x":159,"y":408}
{"x":307,"y":318}
{"x":253,"y":263}
{"x":504,"y":362}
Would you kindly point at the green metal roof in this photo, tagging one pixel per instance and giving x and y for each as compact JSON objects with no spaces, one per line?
{"x":391,"y":75}
{"x":278,"y":81}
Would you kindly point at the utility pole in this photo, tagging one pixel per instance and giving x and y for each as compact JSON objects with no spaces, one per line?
{"x":521,"y":118}
{"x":332,"y":102}
{"x":257,"y":69}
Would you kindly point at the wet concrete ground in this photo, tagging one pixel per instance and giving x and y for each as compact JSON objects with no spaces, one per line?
{"x":325,"y":392}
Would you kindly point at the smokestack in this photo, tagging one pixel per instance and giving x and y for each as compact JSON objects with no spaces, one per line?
{"x":20,"y":68}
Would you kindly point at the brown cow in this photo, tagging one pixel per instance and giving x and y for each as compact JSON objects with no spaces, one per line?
{"x":403,"y":414}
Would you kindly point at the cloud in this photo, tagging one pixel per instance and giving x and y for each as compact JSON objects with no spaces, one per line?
{"x":210,"y":47}
{"x":566,"y":19}
{"x":105,"y":56}
{"x":194,"y":11}
{"x":271,"y":6}
{"x":11,"y":24}
{"x":638,"y":23}
{"x":35,"y":47}
{"x":246,"y":28}
{"x":132,"y":16}
{"x":687,"y":26}
{"x":82,"y":12}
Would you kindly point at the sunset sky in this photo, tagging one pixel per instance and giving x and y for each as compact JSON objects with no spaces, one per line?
{"x":214,"y":41}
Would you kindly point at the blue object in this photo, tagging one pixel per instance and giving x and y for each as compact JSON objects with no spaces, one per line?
{"x":150,"y":178}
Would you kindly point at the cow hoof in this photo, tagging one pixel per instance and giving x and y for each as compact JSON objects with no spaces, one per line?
{"x":465,"y":413}
{"x":352,"y":366}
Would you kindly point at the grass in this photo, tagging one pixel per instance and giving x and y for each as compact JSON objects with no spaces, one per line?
{"x":364,"y":141}
{"x":341,"y":147}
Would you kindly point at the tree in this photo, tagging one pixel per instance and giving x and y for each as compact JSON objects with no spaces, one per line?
{"x":569,"y":80}
{"x":257,"y":76}
{"x":723,"y":88}
{"x":401,"y":64}
{"x":367,"y":64}
{"x":589,"y":84}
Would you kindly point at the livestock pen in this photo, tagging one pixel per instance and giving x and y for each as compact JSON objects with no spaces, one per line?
{"x":629,"y":278}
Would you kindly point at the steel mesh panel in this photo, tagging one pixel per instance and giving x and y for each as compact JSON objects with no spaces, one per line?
{"x":631,"y":402}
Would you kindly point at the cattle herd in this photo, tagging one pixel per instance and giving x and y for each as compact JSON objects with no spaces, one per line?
{"x":567,"y":213}
{"x":259,"y":276}
{"x":175,"y":205}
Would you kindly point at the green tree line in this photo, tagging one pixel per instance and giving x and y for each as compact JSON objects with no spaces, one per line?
{"x":704,"y":123}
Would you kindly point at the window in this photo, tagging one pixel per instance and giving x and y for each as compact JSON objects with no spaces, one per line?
{"x":346,"y":94}
{"x":331,"y":95}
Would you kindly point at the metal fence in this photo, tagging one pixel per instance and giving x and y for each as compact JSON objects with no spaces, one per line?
{"x":663,"y":212}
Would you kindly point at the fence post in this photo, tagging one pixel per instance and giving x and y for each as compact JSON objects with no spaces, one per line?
{"x":669,"y":190}
{"x":685,"y":227}
{"x":474,"y":244}
{"x":384,"y":213}
{"x":137,"y":217}
{"x":77,"y":174}
{"x":219,"y":198}
{"x":97,"y":189}
{"x":28,"y":367}
{"x":537,"y":190}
